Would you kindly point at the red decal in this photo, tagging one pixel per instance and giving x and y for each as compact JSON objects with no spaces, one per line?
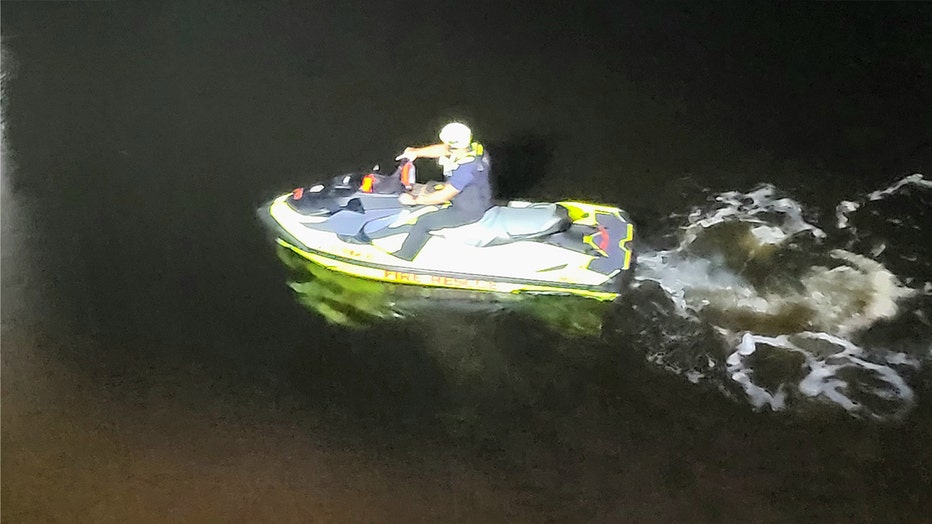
{"x":603,"y":243}
{"x":298,"y":193}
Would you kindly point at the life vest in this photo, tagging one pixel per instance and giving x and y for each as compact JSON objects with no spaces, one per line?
{"x":450,"y":163}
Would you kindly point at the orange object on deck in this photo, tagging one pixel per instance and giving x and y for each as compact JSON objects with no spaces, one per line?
{"x":366,"y":186}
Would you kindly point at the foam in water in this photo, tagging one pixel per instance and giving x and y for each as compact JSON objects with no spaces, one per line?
{"x":759,"y":207}
{"x":754,"y":269}
{"x":845,"y":208}
{"x":822,"y":371}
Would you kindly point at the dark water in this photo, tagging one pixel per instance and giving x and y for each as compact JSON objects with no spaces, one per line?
{"x":771,"y":364}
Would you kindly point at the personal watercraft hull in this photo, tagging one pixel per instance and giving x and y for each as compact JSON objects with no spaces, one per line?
{"x":571,"y":248}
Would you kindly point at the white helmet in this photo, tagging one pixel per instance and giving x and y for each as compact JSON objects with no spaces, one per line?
{"x":456,"y":135}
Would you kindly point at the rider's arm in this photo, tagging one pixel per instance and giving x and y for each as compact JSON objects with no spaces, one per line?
{"x":437,"y":197}
{"x":431,"y":151}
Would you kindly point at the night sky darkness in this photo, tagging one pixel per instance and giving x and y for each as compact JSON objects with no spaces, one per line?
{"x":156,"y":367}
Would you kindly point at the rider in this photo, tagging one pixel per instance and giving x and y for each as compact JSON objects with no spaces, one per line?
{"x":466,"y":168}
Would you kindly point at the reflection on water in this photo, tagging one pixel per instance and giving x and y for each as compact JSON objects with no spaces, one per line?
{"x":338,"y":298}
{"x":492,"y":360}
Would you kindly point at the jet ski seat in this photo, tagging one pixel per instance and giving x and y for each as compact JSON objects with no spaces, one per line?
{"x":502,"y":224}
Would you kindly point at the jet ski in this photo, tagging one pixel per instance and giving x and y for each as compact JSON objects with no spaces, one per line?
{"x":353,"y":223}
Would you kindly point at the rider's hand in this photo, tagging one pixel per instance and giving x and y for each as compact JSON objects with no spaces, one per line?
{"x":406,"y":199}
{"x":410,"y":153}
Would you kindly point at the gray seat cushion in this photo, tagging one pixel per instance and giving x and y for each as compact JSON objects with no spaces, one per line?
{"x":502,"y":224}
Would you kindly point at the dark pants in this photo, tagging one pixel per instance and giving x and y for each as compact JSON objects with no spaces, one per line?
{"x":420,"y":231}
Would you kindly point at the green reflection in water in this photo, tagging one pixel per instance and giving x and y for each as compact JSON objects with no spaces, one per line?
{"x":356,"y":302}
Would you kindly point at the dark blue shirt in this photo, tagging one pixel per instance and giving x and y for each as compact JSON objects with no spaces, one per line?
{"x":471,"y":178}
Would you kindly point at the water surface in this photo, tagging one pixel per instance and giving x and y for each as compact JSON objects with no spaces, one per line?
{"x":771,"y":363}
